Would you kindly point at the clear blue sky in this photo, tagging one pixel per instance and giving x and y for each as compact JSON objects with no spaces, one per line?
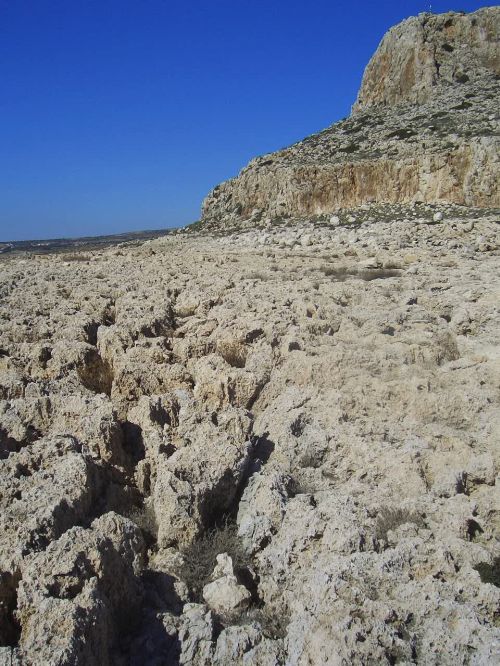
{"x":122,"y":114}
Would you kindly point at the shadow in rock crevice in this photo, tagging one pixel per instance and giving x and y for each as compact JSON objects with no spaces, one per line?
{"x":10,"y":445}
{"x":10,"y":629}
{"x":95,"y":373}
{"x":152,"y":640}
{"x":133,"y":441}
{"x":260,"y":451}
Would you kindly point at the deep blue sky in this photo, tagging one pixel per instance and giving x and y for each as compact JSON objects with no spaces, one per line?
{"x":122,"y":114}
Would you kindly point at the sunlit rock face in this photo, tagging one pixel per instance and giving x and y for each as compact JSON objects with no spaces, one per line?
{"x":424,"y":128}
{"x":424,"y":54}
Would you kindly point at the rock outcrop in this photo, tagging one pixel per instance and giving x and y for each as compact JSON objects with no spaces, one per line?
{"x":424,"y":128}
{"x":423,"y":55}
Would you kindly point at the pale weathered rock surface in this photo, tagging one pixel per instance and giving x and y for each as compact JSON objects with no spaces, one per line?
{"x":361,"y":476}
{"x":273,"y":446}
{"x":77,"y":595}
{"x":429,"y":51}
{"x":225,"y":595}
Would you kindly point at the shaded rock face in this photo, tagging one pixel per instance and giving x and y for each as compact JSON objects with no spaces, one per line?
{"x":424,"y":128}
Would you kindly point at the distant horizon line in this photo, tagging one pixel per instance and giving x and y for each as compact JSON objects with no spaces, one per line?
{"x":93,"y":236}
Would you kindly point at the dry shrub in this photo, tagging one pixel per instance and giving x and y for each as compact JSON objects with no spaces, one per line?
{"x":145,"y":519}
{"x":390,"y":519}
{"x":330,"y":270}
{"x":256,"y":275}
{"x":233,"y":352}
{"x":274,"y":624}
{"x":200,"y":557}
{"x":76,"y":256}
{"x":447,"y":348}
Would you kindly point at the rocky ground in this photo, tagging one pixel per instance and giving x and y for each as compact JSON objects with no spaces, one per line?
{"x":278,"y":446}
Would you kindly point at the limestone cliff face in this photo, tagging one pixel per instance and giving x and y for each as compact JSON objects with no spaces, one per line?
{"x":425,"y":52}
{"x":424,"y":128}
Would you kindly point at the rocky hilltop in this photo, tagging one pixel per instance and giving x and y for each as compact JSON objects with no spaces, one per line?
{"x":424,"y":128}
{"x":272,"y":447}
{"x":425,"y":55}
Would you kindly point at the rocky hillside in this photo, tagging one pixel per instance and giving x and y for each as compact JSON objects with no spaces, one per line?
{"x":425,"y":128}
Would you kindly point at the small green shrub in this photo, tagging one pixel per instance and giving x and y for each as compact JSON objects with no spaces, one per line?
{"x":402,"y":133}
{"x":349,"y":148}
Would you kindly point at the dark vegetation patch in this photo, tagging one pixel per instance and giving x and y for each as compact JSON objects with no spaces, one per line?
{"x":342,"y":274}
{"x":76,"y":256}
{"x":350,"y":148}
{"x":390,"y":519}
{"x":200,"y":557}
{"x":402,"y":133}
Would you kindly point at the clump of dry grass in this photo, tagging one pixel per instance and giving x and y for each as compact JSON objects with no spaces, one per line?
{"x":331,"y":270}
{"x":76,"y":256}
{"x":145,"y":519}
{"x":390,"y":519}
{"x":274,"y":624}
{"x":233,"y":352}
{"x":257,"y":275}
{"x":447,"y":348}
{"x":200,"y":557}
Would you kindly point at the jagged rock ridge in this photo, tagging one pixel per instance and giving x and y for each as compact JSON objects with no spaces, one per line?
{"x":424,"y":128}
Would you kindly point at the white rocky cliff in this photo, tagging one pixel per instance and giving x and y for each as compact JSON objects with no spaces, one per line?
{"x":424,"y":129}
{"x":272,"y":445}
